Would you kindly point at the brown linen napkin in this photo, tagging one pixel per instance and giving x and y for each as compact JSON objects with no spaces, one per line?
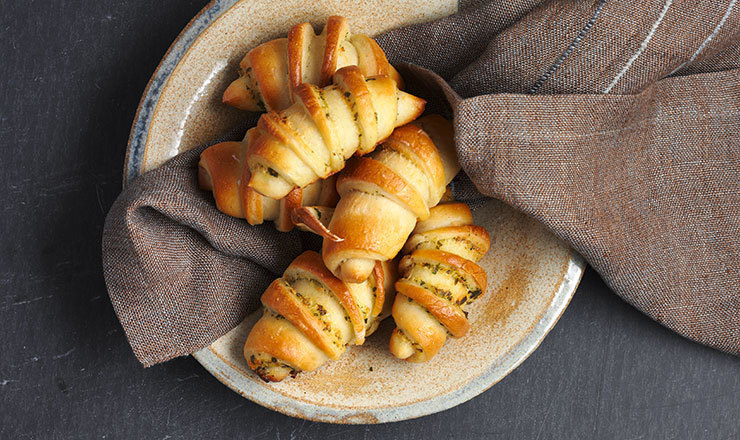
{"x":179,"y":272}
{"x":616,"y":124}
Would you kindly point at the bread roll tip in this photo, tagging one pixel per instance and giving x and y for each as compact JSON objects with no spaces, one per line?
{"x":238,"y":95}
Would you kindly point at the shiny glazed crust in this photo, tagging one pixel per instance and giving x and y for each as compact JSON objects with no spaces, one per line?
{"x":311,"y":316}
{"x":439,"y":276}
{"x":384,"y":194}
{"x":222,"y":169}
{"x":271,"y":72}
{"x":313,"y":138}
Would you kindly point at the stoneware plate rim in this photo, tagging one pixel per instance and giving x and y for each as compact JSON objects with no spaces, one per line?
{"x":269,"y":398}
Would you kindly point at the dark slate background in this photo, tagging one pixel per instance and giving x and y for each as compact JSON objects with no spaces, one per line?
{"x":71,"y":76}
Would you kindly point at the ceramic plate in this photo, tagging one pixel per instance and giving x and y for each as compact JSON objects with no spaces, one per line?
{"x":532,"y":275}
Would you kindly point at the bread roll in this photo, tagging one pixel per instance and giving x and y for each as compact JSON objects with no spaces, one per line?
{"x":310,"y":317}
{"x":384,"y":194}
{"x":439,"y":277}
{"x":270,"y":73}
{"x":222,"y":169}
{"x":312,"y":139}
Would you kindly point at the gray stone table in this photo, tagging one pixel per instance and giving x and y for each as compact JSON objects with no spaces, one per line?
{"x":71,"y":76}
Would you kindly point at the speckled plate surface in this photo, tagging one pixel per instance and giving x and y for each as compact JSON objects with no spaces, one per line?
{"x":532,"y":275}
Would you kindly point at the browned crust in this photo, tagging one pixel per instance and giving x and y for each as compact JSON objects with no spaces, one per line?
{"x":372,"y":60}
{"x":264,"y":152}
{"x":483,"y":240}
{"x":473,"y":233}
{"x":379,"y":280}
{"x":311,"y":262}
{"x":448,"y":315}
{"x":223,"y":172}
{"x":453,"y":214}
{"x":456,"y":261}
{"x":390,"y":276}
{"x":381,"y":62}
{"x":430,"y":339}
{"x":336,"y":30}
{"x":369,"y":170}
{"x":277,"y":338}
{"x":265,"y":337}
{"x":412,"y":139}
{"x":309,"y":97}
{"x":272,"y":123}
{"x":351,"y":80}
{"x":280,"y":298}
{"x":296,"y":43}
{"x":237,"y":94}
{"x":263,"y":60}
{"x":384,"y":67}
{"x":253,"y":205}
{"x":251,"y":199}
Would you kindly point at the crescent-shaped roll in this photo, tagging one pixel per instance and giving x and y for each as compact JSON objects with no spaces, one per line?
{"x":312,"y":139}
{"x":222,"y":169}
{"x":270,"y":73}
{"x":439,"y":277}
{"x":384,"y":194}
{"x":310,"y":317}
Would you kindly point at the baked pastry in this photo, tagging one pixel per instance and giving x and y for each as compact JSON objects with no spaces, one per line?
{"x":310,"y":317}
{"x":270,"y":73}
{"x":384,"y":194}
{"x":311,"y":139}
{"x":439,"y":277}
{"x":222,"y":169}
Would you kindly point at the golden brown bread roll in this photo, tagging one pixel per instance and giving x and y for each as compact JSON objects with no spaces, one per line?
{"x":384,"y":194}
{"x":312,"y":138}
{"x":270,"y":73}
{"x":222,"y":169}
{"x":310,"y":317}
{"x":439,"y":276}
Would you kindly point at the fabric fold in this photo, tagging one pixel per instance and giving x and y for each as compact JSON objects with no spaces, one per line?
{"x":180,"y":274}
{"x":644,"y":186}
